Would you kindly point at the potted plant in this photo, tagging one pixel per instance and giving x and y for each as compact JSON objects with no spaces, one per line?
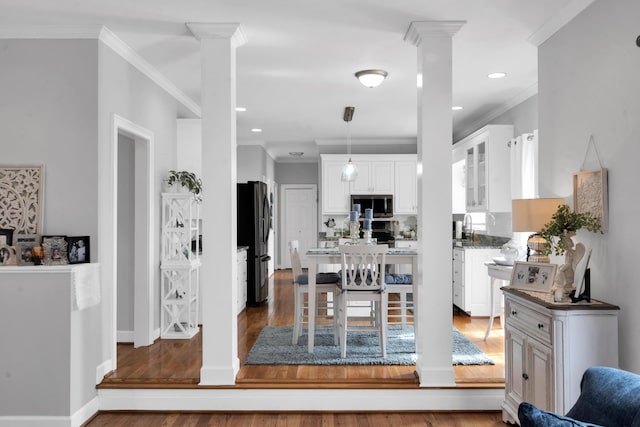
{"x":558,"y":234}
{"x":186,"y":180}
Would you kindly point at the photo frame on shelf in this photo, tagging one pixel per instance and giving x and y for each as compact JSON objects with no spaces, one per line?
{"x":7,"y":255}
{"x":29,"y":253}
{"x":6,"y":236}
{"x":590,"y":194}
{"x":78,"y":248}
{"x":533,"y":276}
{"x":54,"y":250}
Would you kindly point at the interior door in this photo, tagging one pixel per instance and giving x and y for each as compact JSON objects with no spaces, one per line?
{"x":300,"y":219}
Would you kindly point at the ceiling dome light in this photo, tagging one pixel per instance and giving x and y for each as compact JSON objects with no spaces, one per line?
{"x":371,"y":78}
{"x":296,"y":153}
{"x":456,"y":108}
{"x":497,"y":75}
{"x":256,"y":130}
{"x":241,"y":109}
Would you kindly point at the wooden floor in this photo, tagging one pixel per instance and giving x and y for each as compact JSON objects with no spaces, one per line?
{"x":303,"y":419}
{"x":176,"y":363}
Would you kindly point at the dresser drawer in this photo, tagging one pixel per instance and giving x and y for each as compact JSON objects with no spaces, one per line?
{"x":530,"y":321}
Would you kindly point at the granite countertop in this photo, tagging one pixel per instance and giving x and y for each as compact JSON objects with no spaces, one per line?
{"x":482,"y":242}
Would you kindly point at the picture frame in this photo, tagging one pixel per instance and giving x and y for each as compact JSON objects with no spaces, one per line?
{"x":533,"y":276}
{"x":7,"y":255}
{"x":590,"y":194}
{"x":6,"y":236}
{"x":29,"y":253}
{"x":26,"y":238}
{"x":55,"y":250}
{"x":78,"y":249}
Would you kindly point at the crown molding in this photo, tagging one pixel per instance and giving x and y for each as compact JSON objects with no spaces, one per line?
{"x":132,"y":57}
{"x":106,"y":36}
{"x":422,"y":29}
{"x":503,"y":108}
{"x":557,"y":21}
{"x":231,"y":31}
{"x":368,"y":141}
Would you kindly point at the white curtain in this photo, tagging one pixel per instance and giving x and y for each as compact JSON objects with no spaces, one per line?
{"x":524,"y":166}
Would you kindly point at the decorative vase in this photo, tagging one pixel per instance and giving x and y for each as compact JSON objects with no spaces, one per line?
{"x":354,"y":231}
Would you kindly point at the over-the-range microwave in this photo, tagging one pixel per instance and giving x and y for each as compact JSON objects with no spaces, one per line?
{"x":382,"y":204}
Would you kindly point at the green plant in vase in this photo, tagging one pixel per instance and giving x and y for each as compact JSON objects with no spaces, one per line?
{"x":187,"y":180}
{"x":558,"y":234}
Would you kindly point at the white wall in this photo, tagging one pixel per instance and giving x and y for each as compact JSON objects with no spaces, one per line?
{"x":589,"y":85}
{"x":296,"y":173}
{"x":254,"y":163}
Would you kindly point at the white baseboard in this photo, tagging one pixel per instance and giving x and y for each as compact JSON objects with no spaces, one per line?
{"x":124,"y":336}
{"x":103,"y":369}
{"x":87,"y":411}
{"x":76,"y":420}
{"x":432,"y":399}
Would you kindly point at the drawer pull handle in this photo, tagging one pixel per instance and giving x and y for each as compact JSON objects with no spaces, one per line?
{"x":540,"y":326}
{"x":525,"y":376}
{"x":513,"y":312}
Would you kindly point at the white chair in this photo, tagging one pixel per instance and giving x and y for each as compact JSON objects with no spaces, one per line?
{"x":326,"y":283}
{"x":363,"y":279}
{"x":402,"y":307}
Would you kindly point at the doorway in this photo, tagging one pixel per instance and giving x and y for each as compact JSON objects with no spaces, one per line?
{"x":132,"y":238}
{"x":299,"y":219}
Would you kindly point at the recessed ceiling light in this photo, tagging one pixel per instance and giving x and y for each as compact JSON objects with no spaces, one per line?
{"x":456,"y":108}
{"x":241,"y":109}
{"x":498,"y":75}
{"x":256,"y":130}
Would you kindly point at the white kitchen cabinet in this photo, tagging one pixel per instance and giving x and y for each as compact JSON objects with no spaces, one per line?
{"x":548,"y":346}
{"x":486,"y":168}
{"x":471,"y":283}
{"x":335,"y":193}
{"x":179,"y":266}
{"x":374,"y":176}
{"x":405,"y":194}
{"x":241,"y":298}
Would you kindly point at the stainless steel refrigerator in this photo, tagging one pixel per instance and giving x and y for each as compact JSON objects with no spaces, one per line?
{"x":253,"y":232}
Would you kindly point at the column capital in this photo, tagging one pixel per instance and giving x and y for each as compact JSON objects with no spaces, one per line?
{"x":230,"y":31}
{"x":419,"y":30}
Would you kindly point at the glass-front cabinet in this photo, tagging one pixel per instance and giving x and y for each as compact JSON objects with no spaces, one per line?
{"x":477,"y":176}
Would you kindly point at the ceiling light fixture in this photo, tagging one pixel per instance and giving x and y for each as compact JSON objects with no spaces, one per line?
{"x":497,"y":75}
{"x":256,"y":130}
{"x":371,"y":78}
{"x":241,"y":109}
{"x":296,"y":153}
{"x":349,"y":171}
{"x":456,"y":108}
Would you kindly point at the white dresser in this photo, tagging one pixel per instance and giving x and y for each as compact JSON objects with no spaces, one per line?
{"x":548,"y":346}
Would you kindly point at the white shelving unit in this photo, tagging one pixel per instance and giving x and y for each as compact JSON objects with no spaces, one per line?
{"x":180,"y":266}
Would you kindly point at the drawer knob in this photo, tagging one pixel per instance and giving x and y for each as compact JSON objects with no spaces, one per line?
{"x":525,"y":376}
{"x":513,"y":312}
{"x":540,"y":326}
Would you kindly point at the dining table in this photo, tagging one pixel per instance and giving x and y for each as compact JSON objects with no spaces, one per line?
{"x":329,"y":256}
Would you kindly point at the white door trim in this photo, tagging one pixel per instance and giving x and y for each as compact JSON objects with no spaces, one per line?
{"x":144,"y":239}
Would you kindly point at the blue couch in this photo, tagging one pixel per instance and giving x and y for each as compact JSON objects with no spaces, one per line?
{"x":608,"y":397}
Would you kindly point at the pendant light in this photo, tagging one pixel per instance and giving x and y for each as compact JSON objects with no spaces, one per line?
{"x":349,"y":171}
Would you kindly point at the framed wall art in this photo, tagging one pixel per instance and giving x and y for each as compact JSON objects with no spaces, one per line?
{"x":590,"y":194}
{"x":533,"y":276}
{"x":78,"y":249}
{"x":21,"y":198}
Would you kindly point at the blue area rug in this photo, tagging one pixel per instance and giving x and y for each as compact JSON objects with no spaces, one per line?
{"x":273,"y":347}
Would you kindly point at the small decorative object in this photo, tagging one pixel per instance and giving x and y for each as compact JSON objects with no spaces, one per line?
{"x":368,"y":213}
{"x":7,"y":255}
{"x":558,"y":234}
{"x":79,"y":249}
{"x":186,"y":180}
{"x":356,"y":207}
{"x":533,"y":276}
{"x":6,"y":236}
{"x":21,"y":198}
{"x":354,"y":231}
{"x":582,"y":280}
{"x":29,"y":253}
{"x":55,"y":250}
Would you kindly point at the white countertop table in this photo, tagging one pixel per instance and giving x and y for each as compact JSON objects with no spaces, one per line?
{"x":317,"y":256}
{"x":496,"y":272}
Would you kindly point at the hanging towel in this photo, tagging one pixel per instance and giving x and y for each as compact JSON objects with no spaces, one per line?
{"x":86,"y":285}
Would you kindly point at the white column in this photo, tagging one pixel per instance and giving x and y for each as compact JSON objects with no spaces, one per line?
{"x":218,"y":43}
{"x":434,"y":300}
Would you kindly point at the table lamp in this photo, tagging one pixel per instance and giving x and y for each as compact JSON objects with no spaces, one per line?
{"x":530,"y":215}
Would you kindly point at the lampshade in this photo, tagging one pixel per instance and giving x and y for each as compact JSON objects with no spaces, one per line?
{"x":532,"y":214}
{"x":371,"y":78}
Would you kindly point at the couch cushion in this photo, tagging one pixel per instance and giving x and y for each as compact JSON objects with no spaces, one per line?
{"x":530,"y":416}
{"x":398,"y":279}
{"x":321,"y":278}
{"x":608,"y":396}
